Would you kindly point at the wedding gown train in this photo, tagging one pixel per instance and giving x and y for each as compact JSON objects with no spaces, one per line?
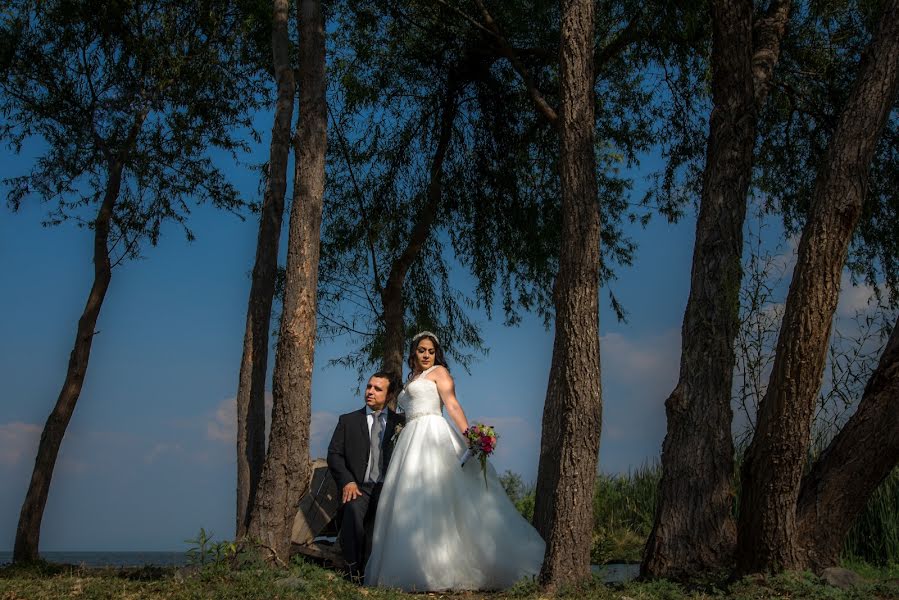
{"x":438,"y":527}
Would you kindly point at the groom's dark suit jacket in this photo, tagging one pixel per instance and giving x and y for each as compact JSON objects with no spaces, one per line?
{"x":349,"y":447}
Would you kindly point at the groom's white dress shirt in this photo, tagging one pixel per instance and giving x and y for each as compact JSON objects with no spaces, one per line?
{"x":370,"y":419}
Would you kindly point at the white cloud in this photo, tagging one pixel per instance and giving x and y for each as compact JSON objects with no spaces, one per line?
{"x":159,"y":449}
{"x":649,"y":360}
{"x":638,"y":374}
{"x":18,"y":441}
{"x":853,"y":298}
{"x":221,"y":425}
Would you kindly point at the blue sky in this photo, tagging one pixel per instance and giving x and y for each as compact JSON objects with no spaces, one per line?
{"x":149,"y":455}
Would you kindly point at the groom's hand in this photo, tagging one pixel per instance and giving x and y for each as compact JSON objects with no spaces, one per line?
{"x":350,"y":492}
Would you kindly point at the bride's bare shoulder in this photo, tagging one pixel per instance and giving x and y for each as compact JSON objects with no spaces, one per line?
{"x":440,"y":373}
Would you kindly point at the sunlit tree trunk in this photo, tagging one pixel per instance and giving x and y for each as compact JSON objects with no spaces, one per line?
{"x":572,"y":415}
{"x":254,"y":362}
{"x":286,"y":473}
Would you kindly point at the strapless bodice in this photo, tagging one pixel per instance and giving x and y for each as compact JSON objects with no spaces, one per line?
{"x":420,"y":398}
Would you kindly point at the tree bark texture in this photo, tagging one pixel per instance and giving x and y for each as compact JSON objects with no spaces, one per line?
{"x":254,"y":361}
{"x":286,"y":473}
{"x":572,"y":414}
{"x":28,"y":531}
{"x":694,"y":530}
{"x":854,"y":464}
{"x":392,"y":299}
{"x":774,"y":464}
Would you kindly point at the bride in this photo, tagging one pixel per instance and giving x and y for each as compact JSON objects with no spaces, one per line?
{"x":438,"y":527}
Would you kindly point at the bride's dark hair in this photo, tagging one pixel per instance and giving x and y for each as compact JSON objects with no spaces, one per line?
{"x":439,"y":358}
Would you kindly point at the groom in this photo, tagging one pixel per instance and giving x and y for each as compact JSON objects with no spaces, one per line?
{"x":358,"y":456}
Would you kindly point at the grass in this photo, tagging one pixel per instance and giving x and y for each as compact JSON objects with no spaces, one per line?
{"x":875,"y":535}
{"x":304,"y":580}
{"x":623,"y":508}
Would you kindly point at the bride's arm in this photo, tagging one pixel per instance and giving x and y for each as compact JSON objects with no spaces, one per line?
{"x":447,"y":390}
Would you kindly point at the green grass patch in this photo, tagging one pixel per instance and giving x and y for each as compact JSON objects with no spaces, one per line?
{"x":305,"y":580}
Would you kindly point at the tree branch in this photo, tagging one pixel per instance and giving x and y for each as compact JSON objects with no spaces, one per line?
{"x":767,"y":33}
{"x":508,"y":52}
{"x":428,"y":213}
{"x":622,"y":40}
{"x":344,"y":148}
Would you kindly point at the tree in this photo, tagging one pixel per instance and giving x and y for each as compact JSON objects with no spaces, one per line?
{"x":840,"y":483}
{"x":286,"y":472}
{"x":254,"y":361}
{"x":127,"y":97}
{"x":773,"y":468}
{"x":399,"y":184}
{"x":694,"y":531}
{"x":572,"y":414}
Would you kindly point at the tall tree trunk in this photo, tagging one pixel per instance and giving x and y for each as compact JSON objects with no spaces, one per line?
{"x":254,"y":362}
{"x":572,"y":414}
{"x":286,"y":473}
{"x":854,"y":464}
{"x":774,"y":463}
{"x":28,"y":532}
{"x":392,"y":299}
{"x":694,"y":530}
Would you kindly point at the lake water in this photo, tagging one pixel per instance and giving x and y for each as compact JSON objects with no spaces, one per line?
{"x":110,"y":559}
{"x":611,"y":573}
{"x":616,"y":572}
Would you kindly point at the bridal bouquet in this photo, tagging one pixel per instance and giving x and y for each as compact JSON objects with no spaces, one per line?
{"x":481,"y":443}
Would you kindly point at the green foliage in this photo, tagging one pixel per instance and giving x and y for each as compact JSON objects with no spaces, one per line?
{"x":818,"y":65}
{"x":205,"y":550}
{"x":499,"y":216}
{"x":521,"y":495}
{"x":624,"y":511}
{"x":151,"y":86}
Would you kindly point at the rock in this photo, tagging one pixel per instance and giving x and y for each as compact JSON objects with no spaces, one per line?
{"x":291,"y":583}
{"x":842,"y":578}
{"x":318,"y":507}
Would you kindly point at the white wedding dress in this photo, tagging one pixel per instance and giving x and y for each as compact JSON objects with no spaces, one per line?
{"x":437,"y":526}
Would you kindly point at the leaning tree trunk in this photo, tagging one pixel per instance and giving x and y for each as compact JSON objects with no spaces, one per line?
{"x":254,"y":362}
{"x":286,"y":473}
{"x":572,"y":414}
{"x":392,"y":299}
{"x":854,"y":464}
{"x":694,"y":530}
{"x":773,"y":467}
{"x":28,"y":532}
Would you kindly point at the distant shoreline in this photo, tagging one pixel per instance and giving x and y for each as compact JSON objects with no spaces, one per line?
{"x":110,"y":558}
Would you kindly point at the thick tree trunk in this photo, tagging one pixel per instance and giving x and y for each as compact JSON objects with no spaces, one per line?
{"x":285,"y":476}
{"x":694,"y":530}
{"x":254,"y":362}
{"x":774,"y":463}
{"x":572,"y":415}
{"x":855,"y":463}
{"x":392,"y":299}
{"x":29,"y":529}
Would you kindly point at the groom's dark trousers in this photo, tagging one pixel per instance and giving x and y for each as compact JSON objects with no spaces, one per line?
{"x":348,"y":455}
